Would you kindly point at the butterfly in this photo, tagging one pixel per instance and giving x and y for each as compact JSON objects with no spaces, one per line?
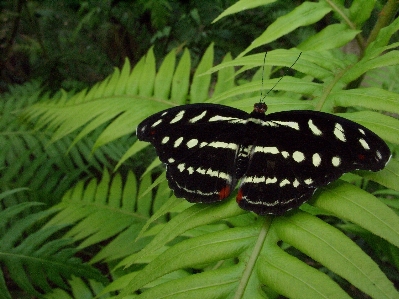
{"x":280,"y":159}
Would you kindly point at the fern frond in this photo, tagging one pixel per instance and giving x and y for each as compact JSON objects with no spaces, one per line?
{"x":79,"y":288}
{"x":34,"y":258}
{"x":111,"y":209}
{"x":260,"y":260}
{"x":29,"y":159}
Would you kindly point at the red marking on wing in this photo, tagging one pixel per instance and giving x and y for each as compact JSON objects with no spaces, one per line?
{"x":361,"y":157}
{"x":239,"y":196}
{"x":224,"y":192}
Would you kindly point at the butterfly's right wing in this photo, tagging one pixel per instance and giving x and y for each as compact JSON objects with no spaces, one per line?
{"x":299,"y":151}
{"x":198,"y":143}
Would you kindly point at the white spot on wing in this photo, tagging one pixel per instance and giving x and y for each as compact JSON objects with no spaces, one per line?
{"x":200,"y":170}
{"x":364,"y":144}
{"x":336,"y":161}
{"x":295,"y":183}
{"x":285,"y":154}
{"x":224,"y":118}
{"x":181,"y":167}
{"x":284,"y":182}
{"x":339,"y":132}
{"x":178,"y":117}
{"x":308,"y":181}
{"x":214,"y":173}
{"x":362,"y":131}
{"x":316,"y":160}
{"x":298,"y":156}
{"x":171,"y":160}
{"x":260,"y":202}
{"x":258,"y":179}
{"x":198,"y":117}
{"x":315,"y":130}
{"x":195,"y":191}
{"x":190,"y":170}
{"x":291,"y":124}
{"x":165,"y":140}
{"x":220,"y":144}
{"x":259,"y":122}
{"x":156,"y":123}
{"x":378,"y":154}
{"x":271,"y":180}
{"x":178,"y":142}
{"x":192,"y":143}
{"x":266,"y":149}
{"x":253,"y":179}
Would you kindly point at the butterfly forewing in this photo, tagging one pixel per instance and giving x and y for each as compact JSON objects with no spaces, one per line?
{"x":358,"y":147}
{"x":281,"y":158}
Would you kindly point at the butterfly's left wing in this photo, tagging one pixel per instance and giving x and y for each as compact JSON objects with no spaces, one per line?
{"x":198,"y":143}
{"x":299,"y":151}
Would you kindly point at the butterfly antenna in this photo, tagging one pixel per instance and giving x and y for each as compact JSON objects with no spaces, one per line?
{"x":264,"y":60}
{"x":263,"y":73}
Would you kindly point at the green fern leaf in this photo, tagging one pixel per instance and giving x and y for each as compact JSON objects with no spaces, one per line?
{"x":34,"y":259}
{"x":100,"y":211}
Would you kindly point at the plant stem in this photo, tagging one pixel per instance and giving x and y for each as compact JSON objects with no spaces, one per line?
{"x":386,"y":15}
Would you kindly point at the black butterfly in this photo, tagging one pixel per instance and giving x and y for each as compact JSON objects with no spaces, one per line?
{"x":281,"y":158}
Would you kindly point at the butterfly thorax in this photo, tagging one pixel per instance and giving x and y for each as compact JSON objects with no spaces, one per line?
{"x":249,"y":138}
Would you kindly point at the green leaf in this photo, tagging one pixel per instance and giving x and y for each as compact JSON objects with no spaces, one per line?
{"x":33,"y":258}
{"x":180,"y":82}
{"x":204,"y":249}
{"x":361,"y":10}
{"x":384,"y":126}
{"x":147,"y":76}
{"x":79,"y":289}
{"x":287,"y":84}
{"x":212,"y":284}
{"x":163,"y":79}
{"x":309,"y":63}
{"x":382,"y":40}
{"x":225,"y":79}
{"x":366,"y":64}
{"x":387,"y":177}
{"x":336,"y":251}
{"x":200,"y":86}
{"x":259,"y":261}
{"x":370,"y":98}
{"x":360,"y":207}
{"x":331,"y":37}
{"x":293,"y":278}
{"x":194,"y":216}
{"x":305,"y":14}
{"x":241,"y":6}
{"x":133,"y":83}
{"x":4,"y":293}
{"x":89,"y":206}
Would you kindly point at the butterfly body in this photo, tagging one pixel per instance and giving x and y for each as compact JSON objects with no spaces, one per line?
{"x":280,"y":159}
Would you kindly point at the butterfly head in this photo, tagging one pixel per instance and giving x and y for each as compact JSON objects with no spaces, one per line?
{"x":259,"y":109}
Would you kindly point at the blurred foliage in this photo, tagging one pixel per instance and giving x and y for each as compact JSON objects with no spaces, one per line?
{"x":73,"y":44}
